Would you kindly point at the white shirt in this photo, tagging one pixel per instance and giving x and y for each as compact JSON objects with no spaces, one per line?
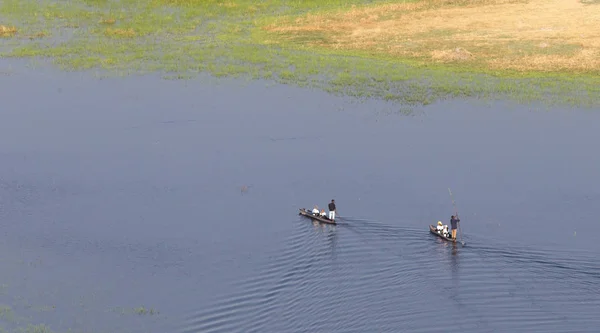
{"x":315,"y":211}
{"x":440,"y":228}
{"x":445,"y":230}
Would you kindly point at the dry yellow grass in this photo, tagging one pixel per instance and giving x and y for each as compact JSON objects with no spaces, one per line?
{"x":538,"y":35}
{"x":107,"y":21}
{"x":119,"y":32}
{"x":6,"y":31}
{"x":40,"y":34}
{"x":228,"y":4}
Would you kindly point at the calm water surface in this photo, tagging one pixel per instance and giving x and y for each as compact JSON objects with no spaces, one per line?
{"x":123,"y":195}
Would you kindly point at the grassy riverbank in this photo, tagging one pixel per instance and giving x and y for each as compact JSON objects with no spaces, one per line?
{"x":415,"y":52}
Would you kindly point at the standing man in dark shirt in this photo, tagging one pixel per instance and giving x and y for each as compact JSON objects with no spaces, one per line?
{"x":332,"y":210}
{"x":454,"y":222}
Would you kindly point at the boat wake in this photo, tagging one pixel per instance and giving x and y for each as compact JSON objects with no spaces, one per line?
{"x":356,"y":275}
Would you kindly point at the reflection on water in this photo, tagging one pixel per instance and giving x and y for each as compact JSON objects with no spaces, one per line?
{"x":332,"y":239}
{"x":116,"y":197}
{"x":330,"y":235}
{"x":454,"y":268}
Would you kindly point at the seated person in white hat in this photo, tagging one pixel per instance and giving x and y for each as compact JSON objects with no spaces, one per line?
{"x":440,"y":227}
{"x":315,"y":210}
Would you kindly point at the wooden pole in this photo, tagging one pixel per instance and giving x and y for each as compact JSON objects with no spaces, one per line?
{"x":456,"y":214}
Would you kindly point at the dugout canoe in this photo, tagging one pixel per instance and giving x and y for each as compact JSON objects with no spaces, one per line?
{"x":433,"y":230}
{"x":310,"y":215}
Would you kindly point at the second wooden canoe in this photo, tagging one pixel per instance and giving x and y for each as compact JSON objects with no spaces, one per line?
{"x":308,"y":214}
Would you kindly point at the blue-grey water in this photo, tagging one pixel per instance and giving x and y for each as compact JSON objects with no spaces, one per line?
{"x":138,"y":204}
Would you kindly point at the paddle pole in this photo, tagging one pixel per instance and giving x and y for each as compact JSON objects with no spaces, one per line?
{"x":456,"y":214}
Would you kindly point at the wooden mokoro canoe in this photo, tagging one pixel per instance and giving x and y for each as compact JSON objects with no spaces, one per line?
{"x":306,"y":213}
{"x":433,"y":230}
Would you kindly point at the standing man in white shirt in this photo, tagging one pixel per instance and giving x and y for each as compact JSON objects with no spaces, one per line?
{"x":332,"y":210}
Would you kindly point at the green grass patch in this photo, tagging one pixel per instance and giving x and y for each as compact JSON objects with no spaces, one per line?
{"x":226,"y":38}
{"x":6,"y":314}
{"x":34,"y":329}
{"x":141,"y":311}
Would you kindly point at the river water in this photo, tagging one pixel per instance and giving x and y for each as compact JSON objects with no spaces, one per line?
{"x":138,"y":204}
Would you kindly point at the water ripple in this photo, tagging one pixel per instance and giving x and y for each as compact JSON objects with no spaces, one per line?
{"x":326,"y":275}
